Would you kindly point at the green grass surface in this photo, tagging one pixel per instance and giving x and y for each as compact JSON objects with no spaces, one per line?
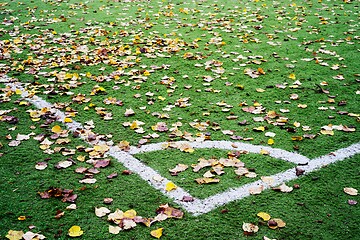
{"x":150,"y":55}
{"x":162,"y":161}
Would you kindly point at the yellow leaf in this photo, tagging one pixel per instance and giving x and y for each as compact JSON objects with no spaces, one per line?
{"x":296,"y":138}
{"x":130,"y":214}
{"x":67,"y":120}
{"x":271,"y":141}
{"x":22,"y":218}
{"x":56,"y":129}
{"x":161,"y":98}
{"x":327,"y":132}
{"x":292,"y":76}
{"x":18,"y":91}
{"x":170,"y":186}
{"x":134,"y":125}
{"x":157,"y":233}
{"x":101,"y":148}
{"x":261,"y":128}
{"x":14,"y":235}
{"x":81,"y":158}
{"x":264,"y":216}
{"x":75,"y":231}
{"x":264,"y":152}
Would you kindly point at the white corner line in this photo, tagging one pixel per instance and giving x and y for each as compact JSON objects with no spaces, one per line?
{"x":201,"y":206}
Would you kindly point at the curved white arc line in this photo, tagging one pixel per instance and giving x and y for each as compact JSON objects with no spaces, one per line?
{"x":229,"y":145}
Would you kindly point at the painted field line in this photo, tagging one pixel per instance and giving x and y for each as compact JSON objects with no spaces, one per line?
{"x":201,"y":206}
{"x":145,"y":172}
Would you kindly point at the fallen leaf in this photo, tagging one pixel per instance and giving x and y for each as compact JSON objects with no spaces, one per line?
{"x":352,"y":202}
{"x":250,"y":228}
{"x":264,"y":216}
{"x":41,"y":166}
{"x":75,"y":231}
{"x":170,"y":211}
{"x":276,"y":223}
{"x":102,"y":211}
{"x":157,"y":233}
{"x":351,"y":191}
{"x":283,"y":188}
{"x":71,"y":207}
{"x":14,"y":235}
{"x":114,"y":229}
{"x":130,"y":214}
{"x":207,"y":180}
{"x":179,"y":168}
{"x":33,"y":236}
{"x":88,"y":180}
{"x":127,"y":224}
{"x":268,"y":180}
{"x":256,"y":190}
{"x":56,"y":129}
{"x":102,"y":163}
{"x":170,"y":186}
{"x":63,"y":164}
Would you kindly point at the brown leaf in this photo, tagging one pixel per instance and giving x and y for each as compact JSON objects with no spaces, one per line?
{"x":170,"y":211}
{"x":111,"y":176}
{"x":207,"y":180}
{"x":102,"y":163}
{"x":283,"y":188}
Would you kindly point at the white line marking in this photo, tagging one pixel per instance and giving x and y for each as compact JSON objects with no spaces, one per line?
{"x":227,"y":145}
{"x":201,"y":206}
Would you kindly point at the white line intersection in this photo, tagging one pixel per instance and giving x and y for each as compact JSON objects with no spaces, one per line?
{"x":201,"y":206}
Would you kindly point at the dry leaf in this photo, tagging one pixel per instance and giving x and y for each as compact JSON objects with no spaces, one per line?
{"x":63,"y":164}
{"x":170,"y":211}
{"x":33,"y":236}
{"x":41,"y":165}
{"x":71,"y":207}
{"x":157,"y":233}
{"x":102,"y":211}
{"x":351,"y":191}
{"x":130,"y":214}
{"x":256,"y":190}
{"x":250,"y":228}
{"x":276,"y":223}
{"x":75,"y":231}
{"x":264,"y":216}
{"x":114,"y":229}
{"x":179,"y":168}
{"x":170,"y":186}
{"x":283,"y":188}
{"x":88,"y":180}
{"x":14,"y":235}
{"x":207,"y":180}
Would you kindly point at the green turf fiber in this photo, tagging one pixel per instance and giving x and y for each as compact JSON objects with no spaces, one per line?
{"x":150,"y":56}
